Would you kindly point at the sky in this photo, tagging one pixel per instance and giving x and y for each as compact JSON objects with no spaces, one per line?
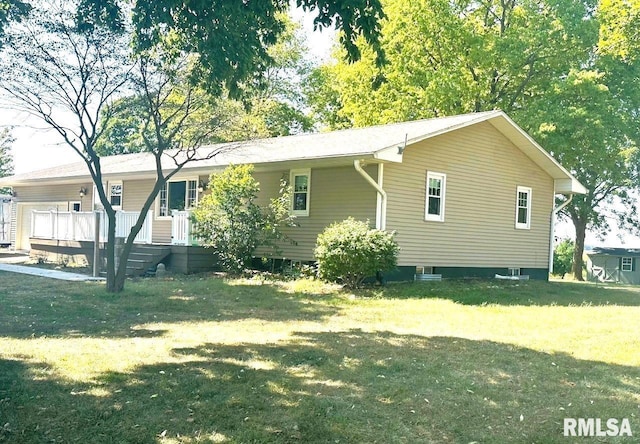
{"x":37,"y":147}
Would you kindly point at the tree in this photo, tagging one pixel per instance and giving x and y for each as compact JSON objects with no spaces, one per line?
{"x":226,"y":120}
{"x":12,"y":10}
{"x":276,"y":100}
{"x":563,"y":257}
{"x":230,"y":221}
{"x":447,"y":58}
{"x":540,"y":61}
{"x":232,"y":38}
{"x":74,"y":56}
{"x":581,"y":123}
{"x":65,"y":76}
{"x":270,"y":107}
{"x":6,"y":159}
{"x":619,"y":23}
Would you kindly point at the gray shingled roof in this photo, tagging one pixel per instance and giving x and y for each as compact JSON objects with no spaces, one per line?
{"x":621,"y":252}
{"x":345,"y":143}
{"x":380,"y":142}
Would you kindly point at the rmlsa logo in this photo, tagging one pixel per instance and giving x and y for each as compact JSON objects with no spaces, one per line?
{"x":596,"y":427}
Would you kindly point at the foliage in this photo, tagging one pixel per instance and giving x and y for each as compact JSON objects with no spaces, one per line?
{"x":12,"y":10}
{"x":229,"y":220}
{"x":619,"y":23}
{"x":563,"y":257}
{"x":217,"y":120}
{"x":447,"y":58}
{"x":350,"y":251}
{"x":585,"y":127}
{"x":6,"y":159}
{"x":232,"y":38}
{"x":271,"y":107}
{"x":570,"y":80}
{"x":277,"y":98}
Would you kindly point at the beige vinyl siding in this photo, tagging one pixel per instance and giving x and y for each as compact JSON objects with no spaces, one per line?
{"x":134,"y":195}
{"x":483,"y":170}
{"x":336,"y":193}
{"x":56,"y":193}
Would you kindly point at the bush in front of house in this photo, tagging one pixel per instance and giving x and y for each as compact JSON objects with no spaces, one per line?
{"x":351,"y":251}
{"x":229,"y":220}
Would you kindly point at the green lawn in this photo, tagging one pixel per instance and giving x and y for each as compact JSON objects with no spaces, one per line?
{"x":245,"y":361}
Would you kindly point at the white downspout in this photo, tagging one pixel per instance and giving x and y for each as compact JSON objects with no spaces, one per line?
{"x":553,"y":226}
{"x":381,"y":210}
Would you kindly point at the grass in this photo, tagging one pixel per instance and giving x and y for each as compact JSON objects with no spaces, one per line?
{"x":199,"y":359}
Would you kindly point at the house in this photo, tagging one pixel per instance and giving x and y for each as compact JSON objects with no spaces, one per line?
{"x":468,"y":195}
{"x":613,"y":265}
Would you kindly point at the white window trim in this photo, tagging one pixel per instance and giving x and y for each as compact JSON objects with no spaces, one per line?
{"x":73,"y":202}
{"x":115,"y":182}
{"x":173,"y":180}
{"x":527,"y":225}
{"x":626,"y":267}
{"x":443,"y":179}
{"x":292,"y":176}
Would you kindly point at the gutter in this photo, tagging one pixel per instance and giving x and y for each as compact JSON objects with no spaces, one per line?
{"x":381,"y":210}
{"x":553,"y":223}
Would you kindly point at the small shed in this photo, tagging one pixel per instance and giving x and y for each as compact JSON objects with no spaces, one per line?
{"x":614,"y":265}
{"x":5,"y":220}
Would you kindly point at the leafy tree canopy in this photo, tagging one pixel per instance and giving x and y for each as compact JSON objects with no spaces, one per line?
{"x":232,"y":38}
{"x":271,"y":106}
{"x":12,"y":10}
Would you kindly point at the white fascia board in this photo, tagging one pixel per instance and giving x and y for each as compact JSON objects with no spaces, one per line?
{"x":569,"y":186}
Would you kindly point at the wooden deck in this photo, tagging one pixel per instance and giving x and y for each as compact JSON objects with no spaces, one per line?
{"x":177,"y":258}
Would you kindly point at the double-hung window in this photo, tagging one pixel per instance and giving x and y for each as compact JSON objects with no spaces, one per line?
{"x":523,"y":208}
{"x":115,"y":194}
{"x":177,"y":195}
{"x":626,"y":264}
{"x":436,"y":188}
{"x":300,"y":192}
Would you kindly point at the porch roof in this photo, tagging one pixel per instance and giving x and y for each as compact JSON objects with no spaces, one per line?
{"x":382,"y":143}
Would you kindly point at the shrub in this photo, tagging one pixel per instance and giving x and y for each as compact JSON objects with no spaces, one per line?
{"x":563,"y":257}
{"x":229,"y":221}
{"x":350,"y":251}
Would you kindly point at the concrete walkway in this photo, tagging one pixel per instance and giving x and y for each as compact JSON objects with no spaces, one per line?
{"x":53,"y":274}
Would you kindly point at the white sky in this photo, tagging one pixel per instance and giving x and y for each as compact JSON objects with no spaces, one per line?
{"x":37,"y":147}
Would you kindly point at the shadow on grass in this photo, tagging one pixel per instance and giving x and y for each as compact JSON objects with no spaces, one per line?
{"x":351,"y":386}
{"x":523,"y":293}
{"x":35,"y":307}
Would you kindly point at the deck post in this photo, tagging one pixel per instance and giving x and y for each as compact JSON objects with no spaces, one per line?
{"x":96,"y":243}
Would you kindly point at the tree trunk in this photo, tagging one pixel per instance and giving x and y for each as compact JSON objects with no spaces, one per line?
{"x":110,"y":251}
{"x":121,"y":273}
{"x":581,"y":230}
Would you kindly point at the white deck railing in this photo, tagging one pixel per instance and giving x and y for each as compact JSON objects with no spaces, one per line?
{"x":181,"y":233}
{"x":77,"y":226}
